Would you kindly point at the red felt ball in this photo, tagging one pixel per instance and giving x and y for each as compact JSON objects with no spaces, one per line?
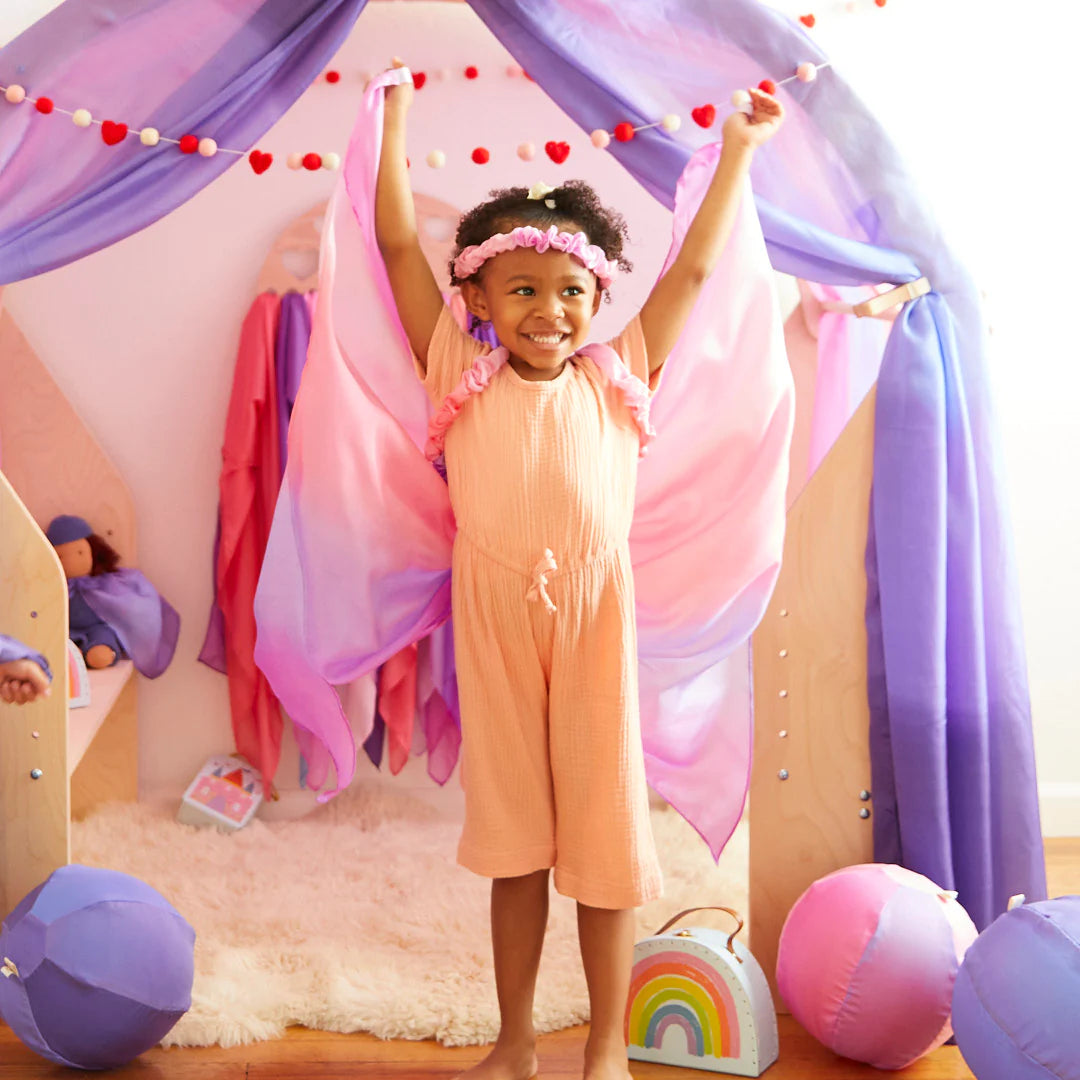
{"x":418,"y":79}
{"x":471,"y":72}
{"x":808,"y":20}
{"x":312,"y":162}
{"x":767,"y":86}
{"x":481,"y":156}
{"x":624,"y":132}
{"x":189,"y":143}
{"x":44,"y":105}
{"x":333,"y":76}
{"x":880,"y":3}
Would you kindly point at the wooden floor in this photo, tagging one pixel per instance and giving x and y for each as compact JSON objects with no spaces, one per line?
{"x":317,"y":1055}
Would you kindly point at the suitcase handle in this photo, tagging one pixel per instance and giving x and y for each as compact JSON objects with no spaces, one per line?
{"x":690,"y":911}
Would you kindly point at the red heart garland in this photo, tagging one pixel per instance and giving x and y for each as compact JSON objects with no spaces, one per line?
{"x":808,"y":21}
{"x":260,"y":162}
{"x":704,"y":115}
{"x":557,"y":151}
{"x":113,"y":133}
{"x":418,"y":79}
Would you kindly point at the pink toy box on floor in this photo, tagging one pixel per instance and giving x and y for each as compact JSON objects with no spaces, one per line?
{"x":868,"y":958}
{"x":699,"y":999}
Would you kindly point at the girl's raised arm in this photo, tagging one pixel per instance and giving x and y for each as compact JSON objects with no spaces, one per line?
{"x":672,"y":299}
{"x":416,"y":292}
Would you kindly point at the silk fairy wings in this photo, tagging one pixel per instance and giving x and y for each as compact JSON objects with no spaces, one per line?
{"x":358,"y":563}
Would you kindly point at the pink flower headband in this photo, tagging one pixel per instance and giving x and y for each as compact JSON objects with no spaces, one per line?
{"x":576,"y":244}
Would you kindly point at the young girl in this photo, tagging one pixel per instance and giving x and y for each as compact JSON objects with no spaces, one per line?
{"x":541,"y":438}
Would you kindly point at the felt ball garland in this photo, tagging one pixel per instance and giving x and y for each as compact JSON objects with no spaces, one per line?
{"x":114,"y":133}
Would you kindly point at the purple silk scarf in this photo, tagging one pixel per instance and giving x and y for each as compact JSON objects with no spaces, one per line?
{"x":12,"y":649}
{"x":145,"y":622}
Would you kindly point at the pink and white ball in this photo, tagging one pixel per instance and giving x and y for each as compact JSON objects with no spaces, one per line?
{"x":868,"y":958}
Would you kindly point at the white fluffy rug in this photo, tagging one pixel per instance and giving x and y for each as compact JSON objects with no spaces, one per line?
{"x":357,"y":918}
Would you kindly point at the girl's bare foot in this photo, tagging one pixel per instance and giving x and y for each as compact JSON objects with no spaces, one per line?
{"x":606,"y":1061}
{"x":507,"y":1061}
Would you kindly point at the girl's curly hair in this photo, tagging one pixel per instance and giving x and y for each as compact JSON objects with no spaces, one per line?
{"x":576,"y":207}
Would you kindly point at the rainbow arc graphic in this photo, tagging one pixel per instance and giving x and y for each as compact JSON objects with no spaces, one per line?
{"x":677,"y":989}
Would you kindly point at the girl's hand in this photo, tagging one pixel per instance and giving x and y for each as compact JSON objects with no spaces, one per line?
{"x":760,"y":126}
{"x":400,"y":97}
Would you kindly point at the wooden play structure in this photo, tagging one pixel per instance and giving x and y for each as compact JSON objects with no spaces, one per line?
{"x":811,"y":799}
{"x":56,"y":763}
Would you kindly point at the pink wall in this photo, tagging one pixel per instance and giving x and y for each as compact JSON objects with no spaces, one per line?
{"x":142,"y":336}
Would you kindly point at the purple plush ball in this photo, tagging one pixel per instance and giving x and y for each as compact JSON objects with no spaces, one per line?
{"x":96,"y":968}
{"x":1016,"y":1003}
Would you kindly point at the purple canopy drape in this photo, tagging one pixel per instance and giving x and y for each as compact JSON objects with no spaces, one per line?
{"x":951,"y":742}
{"x":223,"y":69}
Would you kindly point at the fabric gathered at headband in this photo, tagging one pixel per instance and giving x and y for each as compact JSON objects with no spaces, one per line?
{"x":576,"y":244}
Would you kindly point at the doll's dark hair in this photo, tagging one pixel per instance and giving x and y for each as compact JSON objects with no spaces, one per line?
{"x":576,"y":205}
{"x":105,"y":558}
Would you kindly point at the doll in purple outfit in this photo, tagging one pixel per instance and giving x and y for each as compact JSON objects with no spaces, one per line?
{"x":112,"y":613}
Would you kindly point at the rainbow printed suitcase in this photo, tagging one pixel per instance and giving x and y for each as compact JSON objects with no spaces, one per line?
{"x":699,"y":999}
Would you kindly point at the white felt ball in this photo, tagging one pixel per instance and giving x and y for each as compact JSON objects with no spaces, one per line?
{"x":331,"y":161}
{"x":149,"y":136}
{"x":740,"y":98}
{"x":442,"y":74}
{"x":436,"y":159}
{"x":526,"y":151}
{"x":82,"y":118}
{"x":15,"y":94}
{"x":806,"y":72}
{"x":295,"y":161}
{"x":207,"y":147}
{"x":600,"y":138}
{"x":671,"y":122}
{"x":513,"y":71}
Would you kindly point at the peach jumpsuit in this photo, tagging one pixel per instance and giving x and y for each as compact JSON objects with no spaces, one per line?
{"x":542,"y":479}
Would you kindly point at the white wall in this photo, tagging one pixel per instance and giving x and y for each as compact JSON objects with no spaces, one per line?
{"x":142,"y":335}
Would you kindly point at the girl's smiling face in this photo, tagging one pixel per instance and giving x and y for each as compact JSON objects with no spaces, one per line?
{"x":541,"y":305}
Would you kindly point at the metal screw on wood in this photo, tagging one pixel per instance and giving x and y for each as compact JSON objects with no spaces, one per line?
{"x":36,"y":774}
{"x":783,"y":774}
{"x":864,"y":813}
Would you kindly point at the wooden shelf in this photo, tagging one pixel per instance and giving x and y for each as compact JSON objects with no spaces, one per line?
{"x":106,"y":686}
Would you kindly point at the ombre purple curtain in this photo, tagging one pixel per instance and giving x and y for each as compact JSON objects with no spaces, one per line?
{"x":224,"y":69}
{"x":951,"y":743}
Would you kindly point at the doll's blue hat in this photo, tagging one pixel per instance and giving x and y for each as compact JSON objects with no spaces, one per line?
{"x":67,"y":527}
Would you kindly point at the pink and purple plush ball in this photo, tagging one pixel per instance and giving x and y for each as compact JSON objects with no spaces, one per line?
{"x":868,"y":957}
